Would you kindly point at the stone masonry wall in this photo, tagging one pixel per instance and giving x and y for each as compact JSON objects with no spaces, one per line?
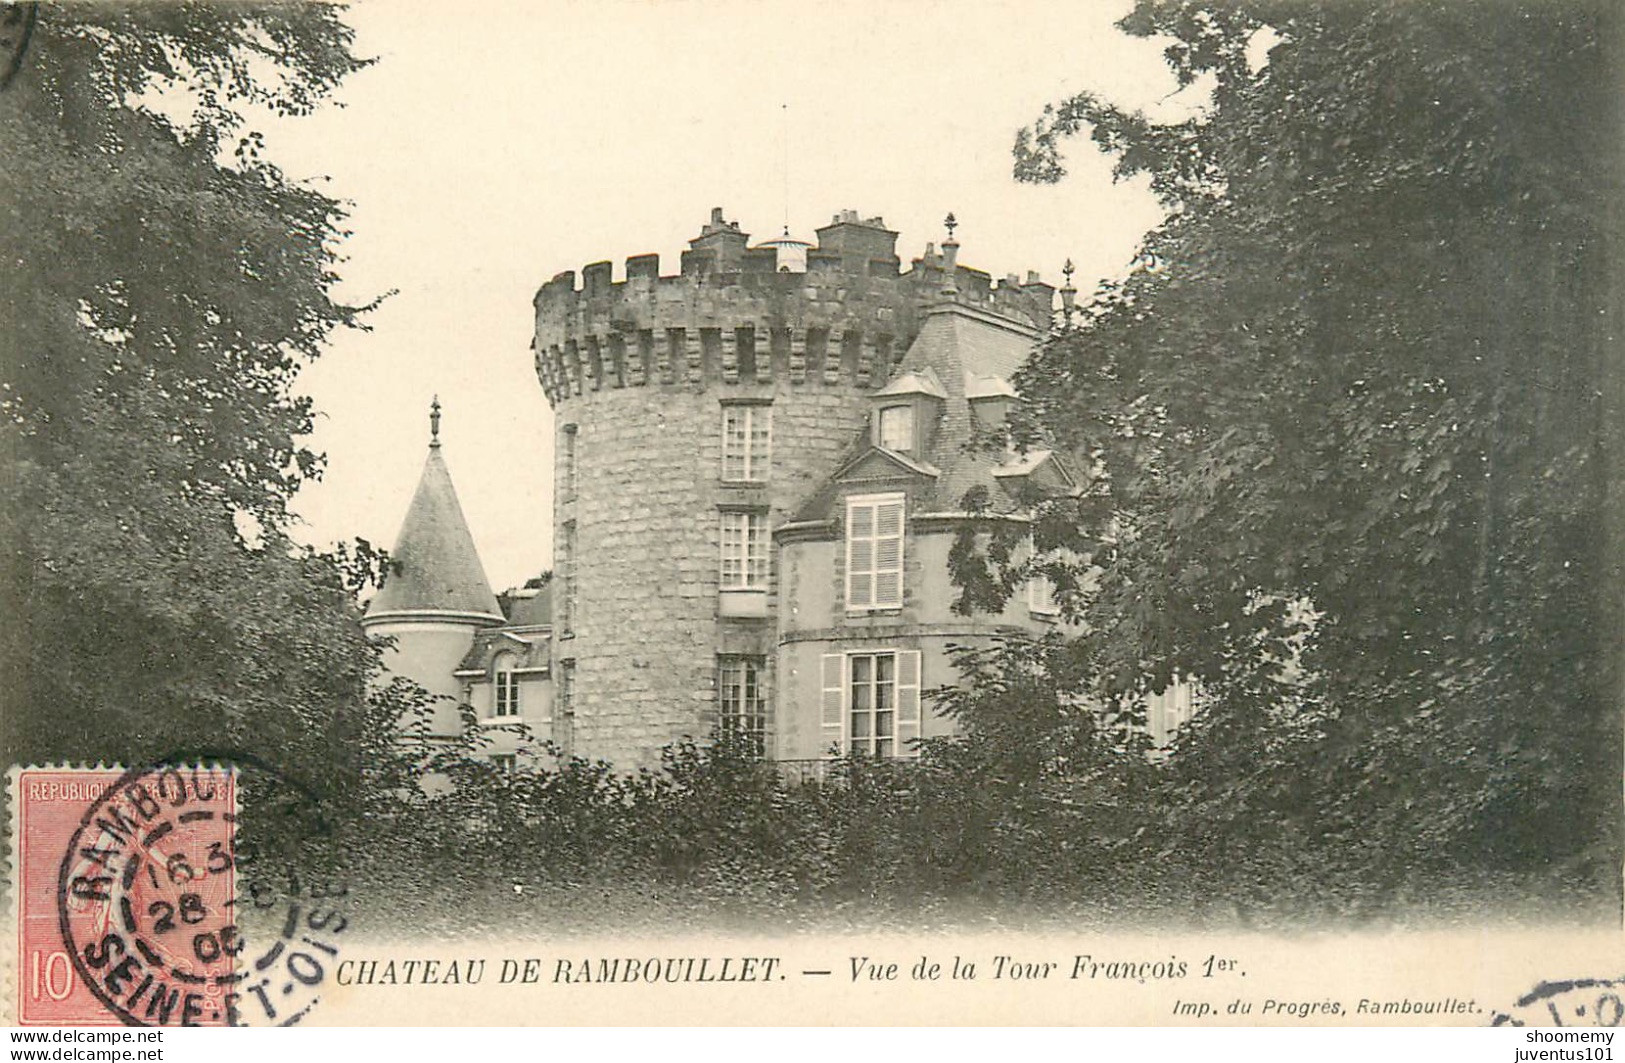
{"x":645,"y":629}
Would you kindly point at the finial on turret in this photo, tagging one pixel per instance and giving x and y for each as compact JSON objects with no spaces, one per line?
{"x":434,"y":422}
{"x":950,"y":258}
{"x":1069,"y":294}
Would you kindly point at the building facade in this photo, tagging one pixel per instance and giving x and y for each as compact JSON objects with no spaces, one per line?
{"x":761,"y":464}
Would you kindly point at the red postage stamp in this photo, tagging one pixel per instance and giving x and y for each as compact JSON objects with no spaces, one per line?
{"x":124,"y":892}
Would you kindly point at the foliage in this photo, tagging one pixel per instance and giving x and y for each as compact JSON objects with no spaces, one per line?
{"x":164,"y":285}
{"x":964,"y":836}
{"x":1347,"y":423}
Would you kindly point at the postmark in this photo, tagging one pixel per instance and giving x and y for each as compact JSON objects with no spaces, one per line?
{"x":146,"y":896}
{"x":1594,"y":1002}
{"x":141,"y":901}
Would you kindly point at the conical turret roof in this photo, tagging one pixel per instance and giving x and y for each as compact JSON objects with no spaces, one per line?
{"x":440,"y":571}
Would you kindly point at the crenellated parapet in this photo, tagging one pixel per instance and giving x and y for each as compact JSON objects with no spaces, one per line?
{"x":734,"y":315}
{"x":718,"y":328}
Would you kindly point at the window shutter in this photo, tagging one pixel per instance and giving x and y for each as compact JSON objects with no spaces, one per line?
{"x":888,"y":571}
{"x":889,"y":553}
{"x":888,"y":519}
{"x":860,"y":556}
{"x":908,"y":702}
{"x":860,"y":520}
{"x":834,"y":688}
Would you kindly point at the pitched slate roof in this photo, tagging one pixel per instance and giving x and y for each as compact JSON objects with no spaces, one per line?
{"x":440,"y":570}
{"x":531,"y":650}
{"x":963,"y":352}
{"x":959,"y":342}
{"x":528,"y":606}
{"x":921,"y":383}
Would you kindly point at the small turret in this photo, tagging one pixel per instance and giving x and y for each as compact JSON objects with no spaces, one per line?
{"x":789,"y":253}
{"x":438,"y":596}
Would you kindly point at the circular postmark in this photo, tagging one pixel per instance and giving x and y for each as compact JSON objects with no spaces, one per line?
{"x":1598,"y":1002}
{"x":174,"y":916}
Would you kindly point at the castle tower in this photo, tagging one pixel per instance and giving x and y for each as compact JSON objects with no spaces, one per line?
{"x":694,"y":414}
{"x":439,"y":597}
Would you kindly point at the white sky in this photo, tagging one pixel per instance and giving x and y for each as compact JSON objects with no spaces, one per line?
{"x":495,"y":144}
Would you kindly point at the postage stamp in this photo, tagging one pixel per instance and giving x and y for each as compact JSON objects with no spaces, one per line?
{"x":125,"y":894}
{"x":136,"y":900}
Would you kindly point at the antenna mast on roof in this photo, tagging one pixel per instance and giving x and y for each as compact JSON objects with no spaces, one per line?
{"x":784,"y":140}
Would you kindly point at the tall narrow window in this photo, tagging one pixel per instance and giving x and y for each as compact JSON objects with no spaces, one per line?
{"x":897,"y":428}
{"x":566,"y":575}
{"x":747,"y":439}
{"x":567,"y":489}
{"x":505,"y":763}
{"x":743,"y":703}
{"x":744,"y":551}
{"x":567,"y":688}
{"x":872,"y":703}
{"x":874,"y":552}
{"x":882,"y":701}
{"x":507,"y":687}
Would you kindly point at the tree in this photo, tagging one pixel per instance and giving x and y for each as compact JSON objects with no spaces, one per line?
{"x":165,"y":282}
{"x":1349,"y":422}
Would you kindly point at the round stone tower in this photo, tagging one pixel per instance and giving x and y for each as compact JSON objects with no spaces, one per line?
{"x":694,"y":414}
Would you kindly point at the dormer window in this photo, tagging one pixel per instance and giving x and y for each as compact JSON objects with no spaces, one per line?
{"x":897,"y":427}
{"x":990,"y":398}
{"x":904,"y":413}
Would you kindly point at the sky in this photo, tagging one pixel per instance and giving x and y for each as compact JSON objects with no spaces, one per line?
{"x":492,"y":145}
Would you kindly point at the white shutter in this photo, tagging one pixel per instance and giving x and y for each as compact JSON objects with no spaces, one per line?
{"x":889,"y":518}
{"x":908,"y":702}
{"x":860,"y":557}
{"x":889,"y":553}
{"x":833,"y":701}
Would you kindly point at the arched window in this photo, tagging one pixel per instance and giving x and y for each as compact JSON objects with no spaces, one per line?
{"x":507,"y":686}
{"x":897,"y":428}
